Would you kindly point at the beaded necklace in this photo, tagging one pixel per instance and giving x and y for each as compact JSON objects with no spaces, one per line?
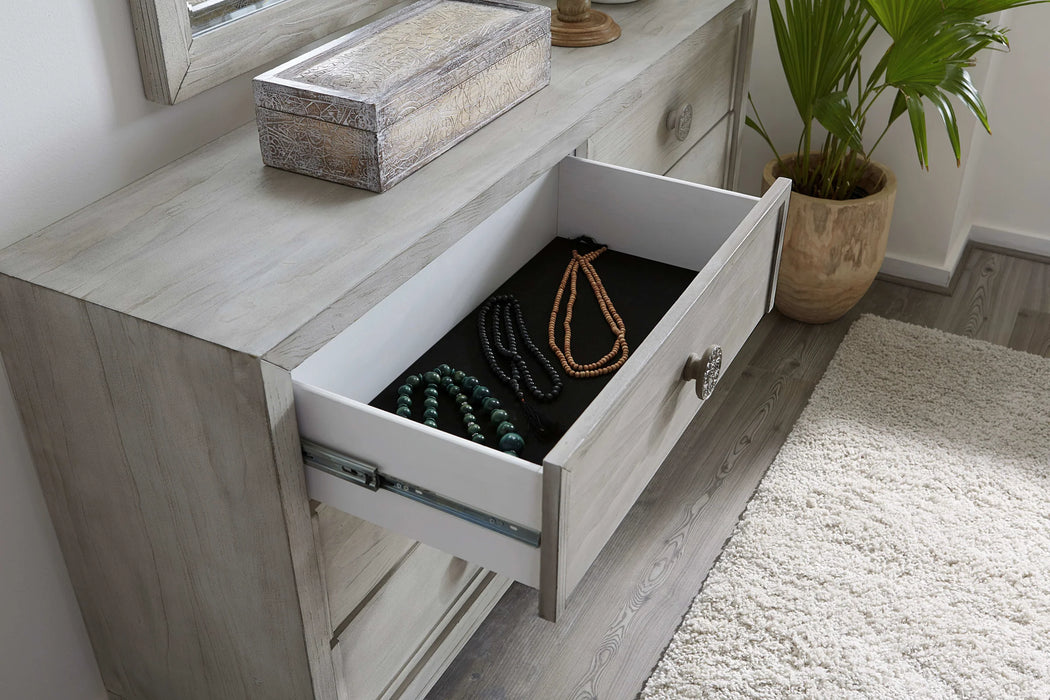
{"x":506,"y":327}
{"x":568,"y":363}
{"x":458,"y":384}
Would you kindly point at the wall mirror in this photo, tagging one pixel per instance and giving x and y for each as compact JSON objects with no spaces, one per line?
{"x":188,"y":46}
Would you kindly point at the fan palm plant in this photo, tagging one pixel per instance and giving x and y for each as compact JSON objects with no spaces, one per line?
{"x":821,"y":44}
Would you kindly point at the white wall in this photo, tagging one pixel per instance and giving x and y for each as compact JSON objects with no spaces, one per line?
{"x":75,"y":128}
{"x":1010,"y":177}
{"x":935,"y":209}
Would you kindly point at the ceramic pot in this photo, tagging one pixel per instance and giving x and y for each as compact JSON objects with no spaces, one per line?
{"x":832,"y":249}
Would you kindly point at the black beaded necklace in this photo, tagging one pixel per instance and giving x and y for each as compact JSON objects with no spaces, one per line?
{"x":467,"y":391}
{"x":502,"y":333}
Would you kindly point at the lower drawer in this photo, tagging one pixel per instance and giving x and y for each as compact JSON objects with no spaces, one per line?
{"x":542,"y":525}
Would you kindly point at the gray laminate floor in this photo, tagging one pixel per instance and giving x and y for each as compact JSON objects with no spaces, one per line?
{"x":630,"y":603}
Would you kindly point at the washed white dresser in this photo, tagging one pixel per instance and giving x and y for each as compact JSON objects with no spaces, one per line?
{"x":152,"y":341}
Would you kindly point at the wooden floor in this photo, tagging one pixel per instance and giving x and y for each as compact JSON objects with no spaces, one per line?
{"x":632,"y":600}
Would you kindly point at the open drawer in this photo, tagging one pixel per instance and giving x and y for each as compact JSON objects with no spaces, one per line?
{"x":542,"y":525}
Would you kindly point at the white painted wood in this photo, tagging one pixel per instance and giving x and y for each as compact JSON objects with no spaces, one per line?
{"x":670,"y":221}
{"x":429,"y":591}
{"x":706,"y":162}
{"x":426,"y":457}
{"x":410,"y":319}
{"x":460,"y":538}
{"x":253,"y":262}
{"x":194,"y":246}
{"x":1020,"y":241}
{"x":700,"y":72}
{"x":934,"y":275}
{"x":610,"y":453}
{"x":176,"y":64}
{"x":355,"y":556}
{"x":655,"y":217}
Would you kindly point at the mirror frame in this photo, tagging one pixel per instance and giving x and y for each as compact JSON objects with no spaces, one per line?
{"x":177,"y":65}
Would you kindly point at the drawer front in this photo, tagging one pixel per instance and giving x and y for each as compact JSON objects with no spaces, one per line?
{"x":706,"y":162}
{"x":702,"y":78}
{"x":595,"y":474}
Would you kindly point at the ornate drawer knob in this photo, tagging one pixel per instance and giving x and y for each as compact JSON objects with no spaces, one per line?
{"x":705,"y":369}
{"x":680,"y":120}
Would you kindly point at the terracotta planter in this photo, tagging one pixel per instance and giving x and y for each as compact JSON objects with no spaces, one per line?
{"x":833,"y":249}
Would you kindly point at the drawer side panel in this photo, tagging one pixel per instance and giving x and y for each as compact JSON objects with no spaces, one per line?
{"x":430,"y":459}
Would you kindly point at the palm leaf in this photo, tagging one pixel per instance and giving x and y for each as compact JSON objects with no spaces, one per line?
{"x":917,"y":116}
{"x":934,"y":42}
{"x":835,"y":114}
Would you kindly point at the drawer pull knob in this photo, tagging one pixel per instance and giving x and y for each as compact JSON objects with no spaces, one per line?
{"x":680,"y":120}
{"x":706,"y":369}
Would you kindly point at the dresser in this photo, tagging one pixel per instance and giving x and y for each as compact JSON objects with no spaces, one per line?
{"x":171,"y":345}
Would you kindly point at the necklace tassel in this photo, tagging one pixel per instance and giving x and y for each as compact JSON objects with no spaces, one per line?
{"x":540,"y":423}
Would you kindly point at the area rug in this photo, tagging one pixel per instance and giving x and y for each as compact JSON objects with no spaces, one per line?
{"x":899,"y":546}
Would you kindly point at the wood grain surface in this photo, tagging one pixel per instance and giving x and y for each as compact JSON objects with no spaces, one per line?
{"x":357,"y":556}
{"x":274,"y":264}
{"x":699,"y":73}
{"x":630,"y":603}
{"x":373,"y":107}
{"x":393,"y":631}
{"x":159,"y":490}
{"x":609,"y":455}
{"x":833,"y":249}
{"x":707,"y":162}
{"x":378,"y":161}
{"x":151,"y":334}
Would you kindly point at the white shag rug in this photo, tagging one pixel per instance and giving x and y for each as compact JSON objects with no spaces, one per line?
{"x":899,"y":546}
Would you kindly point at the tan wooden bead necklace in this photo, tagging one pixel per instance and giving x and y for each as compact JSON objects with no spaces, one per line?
{"x":568,"y":363}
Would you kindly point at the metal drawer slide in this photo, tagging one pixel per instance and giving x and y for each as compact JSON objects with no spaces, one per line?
{"x":369,"y":477}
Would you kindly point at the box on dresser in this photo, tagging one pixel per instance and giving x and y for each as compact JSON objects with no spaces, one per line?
{"x":370,"y":108}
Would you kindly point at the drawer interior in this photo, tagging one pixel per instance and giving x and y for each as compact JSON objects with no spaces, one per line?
{"x":676,"y":226}
{"x":642,"y":291}
{"x":569,"y":201}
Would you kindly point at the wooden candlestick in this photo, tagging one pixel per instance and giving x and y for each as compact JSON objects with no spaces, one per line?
{"x":574,"y":23}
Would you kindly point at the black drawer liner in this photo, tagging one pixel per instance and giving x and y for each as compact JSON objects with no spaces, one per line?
{"x":642,"y":292}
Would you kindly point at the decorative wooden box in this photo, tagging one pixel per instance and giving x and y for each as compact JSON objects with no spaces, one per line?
{"x":371,"y":107}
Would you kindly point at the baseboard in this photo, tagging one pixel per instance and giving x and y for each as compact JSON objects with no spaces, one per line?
{"x":1012,"y":242}
{"x":942,"y":279}
{"x":925,"y":276}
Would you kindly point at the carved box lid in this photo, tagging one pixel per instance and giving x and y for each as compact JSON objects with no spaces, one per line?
{"x":384,"y":71}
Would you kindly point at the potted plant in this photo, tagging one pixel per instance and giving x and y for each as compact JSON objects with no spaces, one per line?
{"x":842,"y":200}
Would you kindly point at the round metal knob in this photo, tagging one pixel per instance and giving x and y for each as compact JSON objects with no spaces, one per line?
{"x":706,"y":369}
{"x":680,"y":120}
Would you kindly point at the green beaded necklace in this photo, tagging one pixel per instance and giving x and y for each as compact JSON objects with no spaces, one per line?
{"x":468,"y":392}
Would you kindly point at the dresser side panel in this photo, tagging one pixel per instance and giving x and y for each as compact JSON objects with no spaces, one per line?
{"x":303,"y":543}
{"x":154,"y":453}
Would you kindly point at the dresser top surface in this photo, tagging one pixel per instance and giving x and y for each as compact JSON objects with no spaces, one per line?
{"x":271,"y":263}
